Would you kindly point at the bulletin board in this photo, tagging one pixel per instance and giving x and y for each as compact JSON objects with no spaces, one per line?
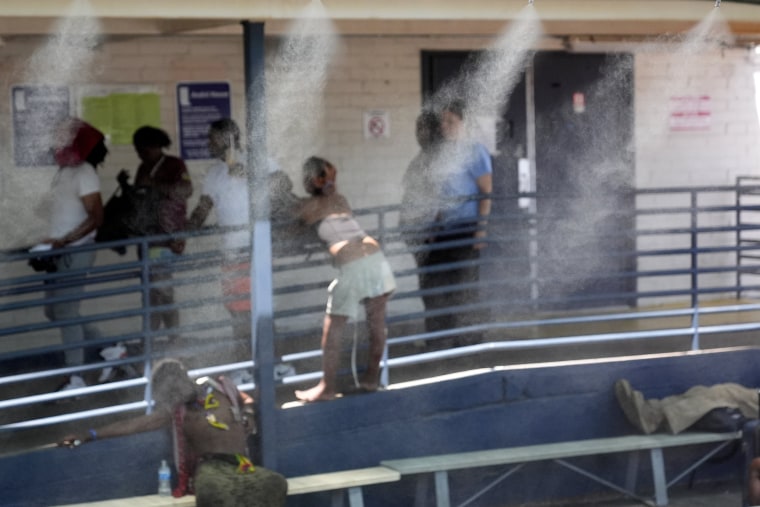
{"x":36,"y":110}
{"x":118,"y":111}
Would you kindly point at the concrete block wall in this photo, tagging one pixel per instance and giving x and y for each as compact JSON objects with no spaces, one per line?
{"x":714,"y":156}
{"x":371,"y":73}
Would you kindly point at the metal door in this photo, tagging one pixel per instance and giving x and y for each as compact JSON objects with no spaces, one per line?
{"x":572,"y":247}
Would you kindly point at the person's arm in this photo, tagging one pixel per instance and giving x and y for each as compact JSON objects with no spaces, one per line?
{"x":200,"y":213}
{"x":306,"y":211}
{"x":247,"y":408}
{"x":485,"y":186}
{"x":753,"y":484}
{"x":151,"y":422}
{"x":93,"y":205}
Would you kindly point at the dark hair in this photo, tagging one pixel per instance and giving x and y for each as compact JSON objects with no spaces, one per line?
{"x":166,"y":369}
{"x":428,"y":129}
{"x":312,"y":168}
{"x":455,"y":106}
{"x":151,"y":136}
{"x":227,"y":127}
{"x":97,"y":154}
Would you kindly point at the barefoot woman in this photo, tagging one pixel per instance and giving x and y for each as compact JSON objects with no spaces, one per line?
{"x":365,"y":277}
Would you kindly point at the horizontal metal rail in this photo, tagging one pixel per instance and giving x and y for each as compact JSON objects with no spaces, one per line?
{"x":684,"y":253}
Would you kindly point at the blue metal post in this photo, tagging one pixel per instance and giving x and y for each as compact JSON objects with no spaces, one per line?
{"x":261,"y":250}
{"x":147,"y":332}
{"x":694,"y":272}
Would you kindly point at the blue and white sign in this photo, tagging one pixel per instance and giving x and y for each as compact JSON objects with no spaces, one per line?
{"x":37,"y":111}
{"x":199,"y":104}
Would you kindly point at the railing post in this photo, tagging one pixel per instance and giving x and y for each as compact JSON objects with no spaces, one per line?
{"x":262,"y":306}
{"x":381,"y":233}
{"x":694,"y":273}
{"x":738,"y":222}
{"x":147,"y":336}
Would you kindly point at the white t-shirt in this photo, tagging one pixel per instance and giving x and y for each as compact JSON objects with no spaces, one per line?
{"x":230,"y":197}
{"x":70,"y":184}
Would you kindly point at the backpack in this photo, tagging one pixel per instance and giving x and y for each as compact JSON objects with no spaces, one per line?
{"x":128,"y":212}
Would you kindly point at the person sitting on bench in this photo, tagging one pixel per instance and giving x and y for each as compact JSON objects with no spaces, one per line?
{"x":681,"y":411}
{"x":211,"y":421}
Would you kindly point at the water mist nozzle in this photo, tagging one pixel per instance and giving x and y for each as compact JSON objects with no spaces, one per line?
{"x":717,"y":3}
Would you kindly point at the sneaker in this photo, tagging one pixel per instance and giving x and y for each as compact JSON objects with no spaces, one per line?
{"x":74,"y":382}
{"x":112,"y":353}
{"x":240,"y":377}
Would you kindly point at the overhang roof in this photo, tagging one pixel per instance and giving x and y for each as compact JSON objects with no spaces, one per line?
{"x":596,"y":18}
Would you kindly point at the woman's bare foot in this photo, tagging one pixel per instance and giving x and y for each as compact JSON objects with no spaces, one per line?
{"x":317,"y":393}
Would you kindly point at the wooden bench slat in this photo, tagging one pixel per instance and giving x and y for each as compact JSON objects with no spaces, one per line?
{"x":541,"y":452}
{"x":142,"y":501}
{"x":341,"y":480}
{"x":296,"y":486}
{"x":391,"y":470}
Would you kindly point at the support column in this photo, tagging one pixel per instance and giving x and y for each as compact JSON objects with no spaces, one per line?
{"x":262,"y":326}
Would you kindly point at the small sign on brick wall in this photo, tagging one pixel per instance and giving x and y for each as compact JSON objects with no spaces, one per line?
{"x":691,"y":112}
{"x":377,"y":125}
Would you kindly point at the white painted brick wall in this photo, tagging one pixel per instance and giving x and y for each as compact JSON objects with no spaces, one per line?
{"x":384,"y":73}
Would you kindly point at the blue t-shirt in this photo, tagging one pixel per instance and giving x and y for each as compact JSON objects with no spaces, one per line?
{"x":464,"y":182}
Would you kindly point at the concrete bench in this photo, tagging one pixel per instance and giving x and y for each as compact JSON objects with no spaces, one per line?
{"x":349,"y":480}
{"x":439,"y":465}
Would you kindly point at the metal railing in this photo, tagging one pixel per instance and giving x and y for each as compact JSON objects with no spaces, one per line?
{"x":684,"y":269}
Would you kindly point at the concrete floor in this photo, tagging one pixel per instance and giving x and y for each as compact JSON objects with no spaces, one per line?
{"x":701,"y":495}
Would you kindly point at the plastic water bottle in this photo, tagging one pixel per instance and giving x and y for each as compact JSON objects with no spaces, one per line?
{"x":164,"y":479}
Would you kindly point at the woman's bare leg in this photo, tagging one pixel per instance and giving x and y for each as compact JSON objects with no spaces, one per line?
{"x":375,"y":308}
{"x":332,"y":332}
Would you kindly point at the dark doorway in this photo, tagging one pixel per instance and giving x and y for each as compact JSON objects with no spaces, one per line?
{"x":583,"y":216}
{"x":584,"y":179}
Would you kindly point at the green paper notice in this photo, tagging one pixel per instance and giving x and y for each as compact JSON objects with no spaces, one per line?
{"x":118,"y":115}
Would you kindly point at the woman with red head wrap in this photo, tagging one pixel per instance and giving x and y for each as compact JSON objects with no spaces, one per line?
{"x":77,"y":212}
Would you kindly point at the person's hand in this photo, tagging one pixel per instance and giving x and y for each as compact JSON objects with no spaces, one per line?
{"x":55,"y":242}
{"x":71,"y":441}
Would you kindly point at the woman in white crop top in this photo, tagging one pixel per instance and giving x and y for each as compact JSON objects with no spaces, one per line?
{"x":365,"y":277}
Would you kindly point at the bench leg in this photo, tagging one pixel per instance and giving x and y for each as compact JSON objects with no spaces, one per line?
{"x":658,"y":476}
{"x":632,"y":471}
{"x":442,"y":489}
{"x":337,"y":498}
{"x":421,"y":491}
{"x":355,"y":498}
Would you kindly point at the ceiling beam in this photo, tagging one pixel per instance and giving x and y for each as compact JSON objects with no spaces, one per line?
{"x":386,"y":17}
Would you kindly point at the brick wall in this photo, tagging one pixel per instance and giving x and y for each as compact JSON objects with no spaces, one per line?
{"x":367,"y":73}
{"x":384,"y":73}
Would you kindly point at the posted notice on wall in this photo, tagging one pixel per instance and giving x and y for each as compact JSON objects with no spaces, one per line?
{"x":198,"y":105}
{"x":690,"y":113}
{"x":119,"y":111}
{"x":36,"y":111}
